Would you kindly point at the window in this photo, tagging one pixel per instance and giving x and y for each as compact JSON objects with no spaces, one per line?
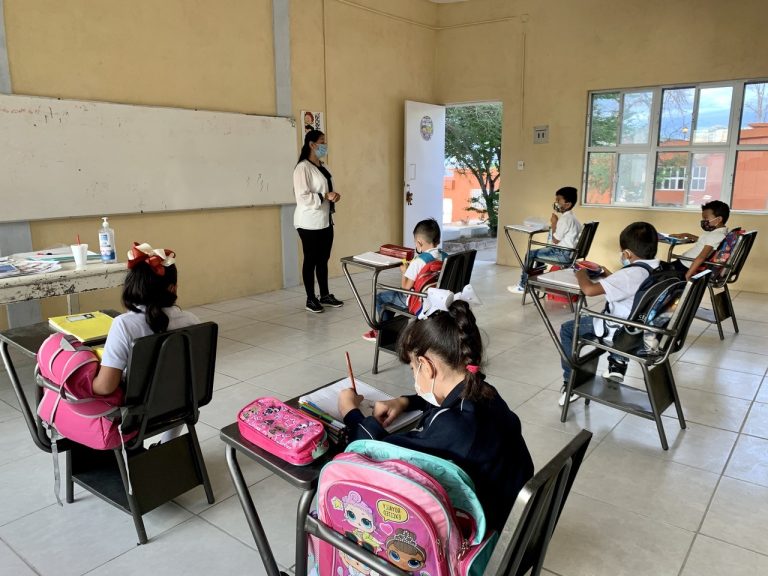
{"x":679,"y":146}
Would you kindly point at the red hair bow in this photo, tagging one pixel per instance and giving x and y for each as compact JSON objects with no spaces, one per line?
{"x":156,"y":259}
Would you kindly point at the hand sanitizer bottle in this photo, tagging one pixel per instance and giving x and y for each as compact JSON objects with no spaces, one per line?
{"x":107,"y":242}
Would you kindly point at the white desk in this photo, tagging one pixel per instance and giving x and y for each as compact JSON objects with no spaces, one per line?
{"x":64,"y":282}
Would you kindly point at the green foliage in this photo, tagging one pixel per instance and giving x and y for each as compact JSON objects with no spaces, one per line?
{"x":473,"y":144}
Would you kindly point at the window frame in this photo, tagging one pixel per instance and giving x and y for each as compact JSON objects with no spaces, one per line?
{"x":653,"y":147}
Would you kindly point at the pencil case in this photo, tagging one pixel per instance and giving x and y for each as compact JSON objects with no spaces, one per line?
{"x":396,"y":251}
{"x":283,"y":431}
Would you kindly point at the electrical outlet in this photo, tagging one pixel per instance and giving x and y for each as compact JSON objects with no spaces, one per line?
{"x":521,"y":164}
{"x":541,"y":134}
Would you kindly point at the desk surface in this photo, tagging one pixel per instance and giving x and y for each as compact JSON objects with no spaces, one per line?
{"x":67,"y":280}
{"x":565,"y":278}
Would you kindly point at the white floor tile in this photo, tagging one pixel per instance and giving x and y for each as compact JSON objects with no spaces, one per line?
{"x":737,"y":515}
{"x":710,"y":557}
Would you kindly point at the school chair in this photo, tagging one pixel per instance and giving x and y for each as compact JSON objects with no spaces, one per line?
{"x":578,"y":252}
{"x":726,"y":265}
{"x":454,"y":276}
{"x":660,"y":391}
{"x":170,"y":376}
{"x":523,"y":542}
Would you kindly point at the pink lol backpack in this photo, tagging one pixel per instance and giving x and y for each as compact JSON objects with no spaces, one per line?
{"x":69,"y":408}
{"x":283,"y":431}
{"x":417,"y":511}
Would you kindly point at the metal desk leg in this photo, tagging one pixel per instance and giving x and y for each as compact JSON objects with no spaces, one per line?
{"x":26,"y":411}
{"x":73,"y":303}
{"x":301,"y":536}
{"x":372,"y":322}
{"x":262,"y":544}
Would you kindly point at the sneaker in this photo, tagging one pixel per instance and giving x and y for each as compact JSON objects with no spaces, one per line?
{"x":371,"y":335}
{"x":518,"y":289}
{"x":561,"y":401}
{"x":313,"y":305}
{"x":615,"y":371}
{"x":330,"y":300}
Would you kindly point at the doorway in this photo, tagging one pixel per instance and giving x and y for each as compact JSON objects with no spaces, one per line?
{"x":472,"y":178}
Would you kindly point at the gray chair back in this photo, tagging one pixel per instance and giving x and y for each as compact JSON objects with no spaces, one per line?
{"x":523,"y":542}
{"x":586,"y":237}
{"x":457,"y":270}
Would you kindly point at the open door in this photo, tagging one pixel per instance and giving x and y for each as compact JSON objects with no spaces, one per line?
{"x":424,"y":165}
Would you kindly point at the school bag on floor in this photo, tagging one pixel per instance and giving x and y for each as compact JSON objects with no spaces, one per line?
{"x":426,"y":278}
{"x":417,"y":511}
{"x":654,"y":304}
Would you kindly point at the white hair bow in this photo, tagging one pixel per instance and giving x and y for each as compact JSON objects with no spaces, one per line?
{"x":438,"y":299}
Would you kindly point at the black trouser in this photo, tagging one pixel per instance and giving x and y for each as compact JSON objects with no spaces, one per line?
{"x":316,"y":245}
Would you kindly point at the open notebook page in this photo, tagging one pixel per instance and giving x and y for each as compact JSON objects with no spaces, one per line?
{"x":327,"y":400}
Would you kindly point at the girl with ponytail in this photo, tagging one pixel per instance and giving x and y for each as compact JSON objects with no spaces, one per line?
{"x":464,"y":419}
{"x":149,"y":295}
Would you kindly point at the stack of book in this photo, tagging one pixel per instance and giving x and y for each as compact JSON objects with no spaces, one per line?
{"x":89,"y":327}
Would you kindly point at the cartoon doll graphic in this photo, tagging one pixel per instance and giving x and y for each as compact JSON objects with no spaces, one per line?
{"x":404,"y":552}
{"x":354,"y":568}
{"x":360,"y":516}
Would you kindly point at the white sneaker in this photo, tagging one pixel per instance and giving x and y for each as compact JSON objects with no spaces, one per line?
{"x":517,"y":289}
{"x":561,"y":401}
{"x":615,"y":372}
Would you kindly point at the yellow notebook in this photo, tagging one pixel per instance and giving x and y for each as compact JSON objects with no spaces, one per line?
{"x":87,"y":327}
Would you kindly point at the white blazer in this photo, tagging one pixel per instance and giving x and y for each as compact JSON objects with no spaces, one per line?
{"x":309,"y":185}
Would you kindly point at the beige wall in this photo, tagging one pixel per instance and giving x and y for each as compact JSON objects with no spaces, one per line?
{"x":573,"y":47}
{"x":359,"y":60}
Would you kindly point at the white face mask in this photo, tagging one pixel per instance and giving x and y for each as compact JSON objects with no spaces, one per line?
{"x":428,"y":396}
{"x":624,"y":261}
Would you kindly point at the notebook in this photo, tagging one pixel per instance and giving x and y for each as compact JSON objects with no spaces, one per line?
{"x":377,"y":259}
{"x":327,"y":400}
{"x":88,"y":327}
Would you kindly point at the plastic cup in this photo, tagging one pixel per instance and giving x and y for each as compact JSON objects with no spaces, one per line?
{"x":80,"y":252}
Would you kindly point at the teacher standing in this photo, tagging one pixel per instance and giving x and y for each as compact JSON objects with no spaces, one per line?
{"x":313,"y":218}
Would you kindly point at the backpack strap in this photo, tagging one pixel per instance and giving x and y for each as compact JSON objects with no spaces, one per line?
{"x":427,"y":257}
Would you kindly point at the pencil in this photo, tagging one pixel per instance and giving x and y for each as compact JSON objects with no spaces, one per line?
{"x":351,"y":375}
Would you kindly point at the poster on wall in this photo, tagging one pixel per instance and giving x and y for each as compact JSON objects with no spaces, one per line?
{"x":312,"y":121}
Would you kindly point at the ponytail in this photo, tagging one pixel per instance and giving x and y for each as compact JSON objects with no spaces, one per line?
{"x":311,"y":136}
{"x":455,"y":338}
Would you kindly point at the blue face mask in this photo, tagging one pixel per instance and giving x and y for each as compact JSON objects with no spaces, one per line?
{"x":624,"y":261}
{"x":321,"y":151}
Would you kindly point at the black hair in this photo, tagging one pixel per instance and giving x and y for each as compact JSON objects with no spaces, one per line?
{"x":569,"y":194}
{"x":143,"y":287}
{"x":641,"y":239}
{"x":429,"y":229}
{"x":455,"y":338}
{"x":719,"y":208}
{"x":311,"y":136}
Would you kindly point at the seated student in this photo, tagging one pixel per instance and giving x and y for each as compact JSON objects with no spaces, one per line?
{"x":638,"y":243}
{"x":465,"y":420}
{"x":714,"y":216}
{"x":426,"y":238}
{"x":149,"y":295}
{"x":565,"y":233}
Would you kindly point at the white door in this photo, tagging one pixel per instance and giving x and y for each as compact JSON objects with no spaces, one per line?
{"x":424,"y":165}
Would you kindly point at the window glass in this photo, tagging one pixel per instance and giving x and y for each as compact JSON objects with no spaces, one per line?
{"x":601,"y":167}
{"x":706,"y":182}
{"x":676,"y":116}
{"x":754,"y":113}
{"x":712,"y":115}
{"x":636,"y":116}
{"x":605,"y":119}
{"x":671,"y":177}
{"x":750,"y":191}
{"x":630,"y":184}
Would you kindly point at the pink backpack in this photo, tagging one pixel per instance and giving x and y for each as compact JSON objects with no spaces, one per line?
{"x":283,"y":431}
{"x":380,"y":496}
{"x":66,"y":369}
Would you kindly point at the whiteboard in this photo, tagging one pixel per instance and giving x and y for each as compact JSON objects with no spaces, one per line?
{"x":62,"y":158}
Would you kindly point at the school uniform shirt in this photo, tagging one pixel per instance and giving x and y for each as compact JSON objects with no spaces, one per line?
{"x":567,"y":230}
{"x":483,"y":438}
{"x":310,"y":187}
{"x":713,"y":238}
{"x":418,"y":263}
{"x":620,"y":289}
{"x":131,"y":325}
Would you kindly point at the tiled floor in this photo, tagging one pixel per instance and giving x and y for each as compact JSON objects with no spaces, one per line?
{"x":699,"y":508}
